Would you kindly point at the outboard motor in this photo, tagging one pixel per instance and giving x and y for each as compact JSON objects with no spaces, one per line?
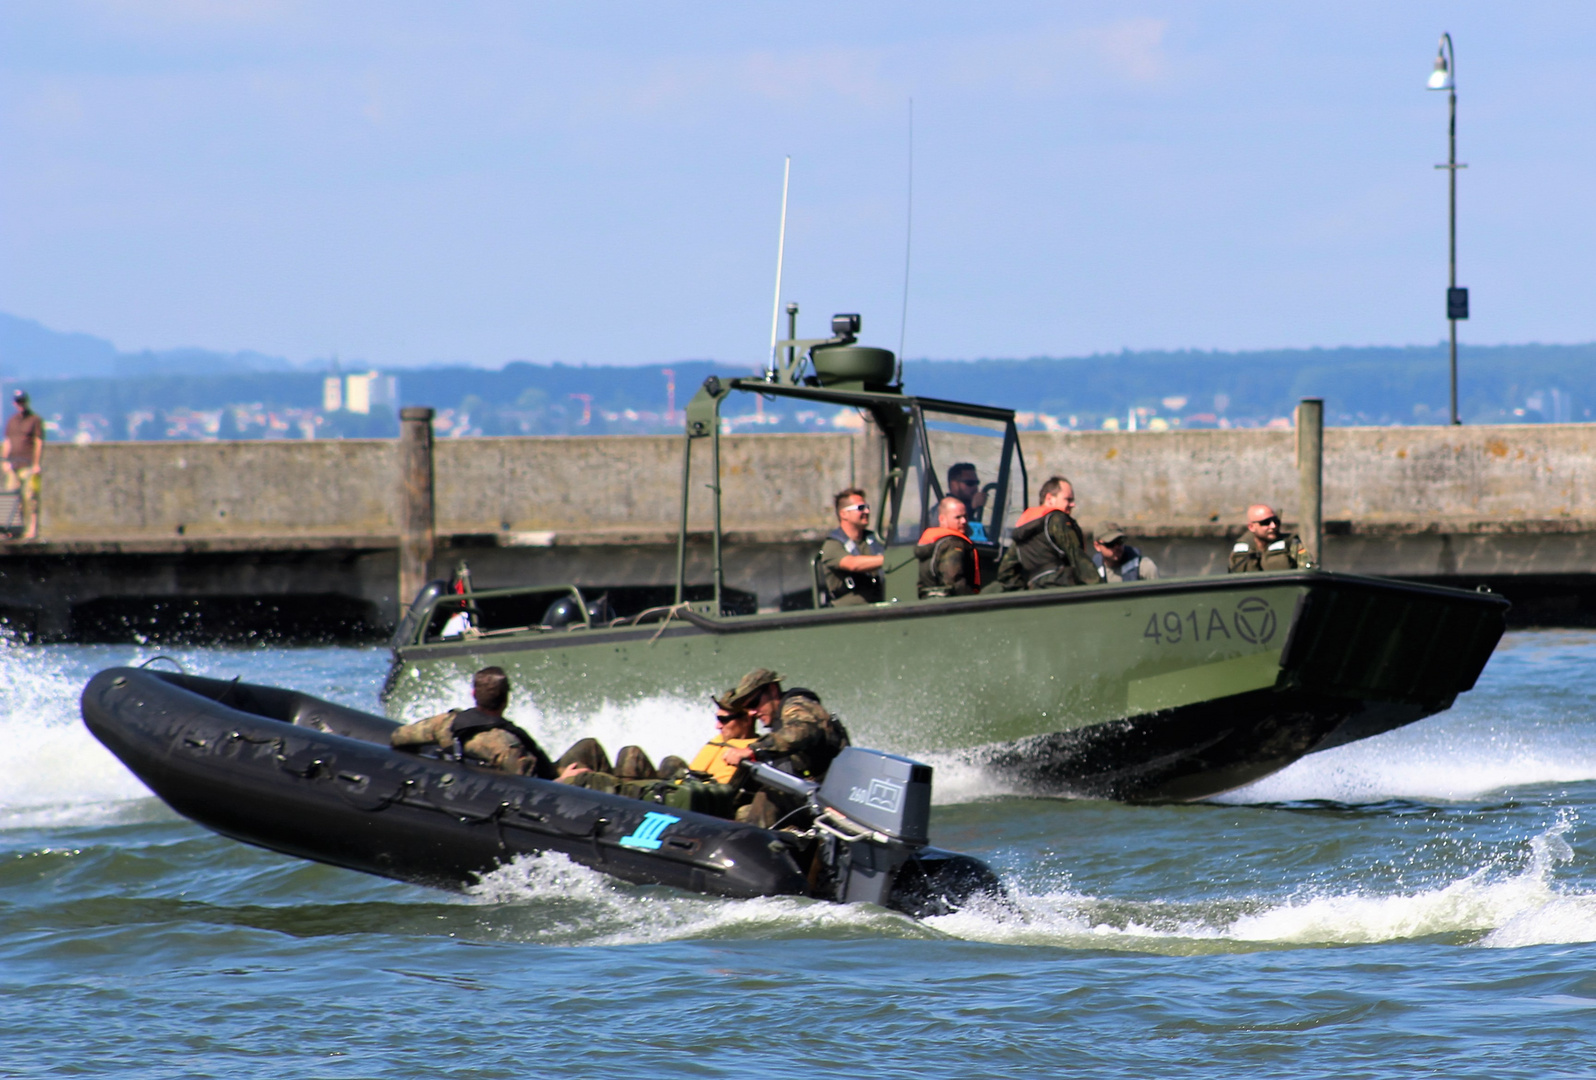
{"x":874,"y":813}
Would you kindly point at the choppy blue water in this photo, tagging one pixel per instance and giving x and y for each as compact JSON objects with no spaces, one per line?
{"x":1421,"y":902}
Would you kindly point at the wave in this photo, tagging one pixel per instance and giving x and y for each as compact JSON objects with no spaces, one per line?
{"x":57,"y":774}
{"x":578,"y":906}
{"x":567,"y":904}
{"x":1443,"y":759}
{"x":1488,"y":907}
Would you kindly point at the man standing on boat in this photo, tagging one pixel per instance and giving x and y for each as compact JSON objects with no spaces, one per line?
{"x":1049,"y":549}
{"x":1265,"y":548}
{"x":853,"y":554}
{"x":948,"y":566}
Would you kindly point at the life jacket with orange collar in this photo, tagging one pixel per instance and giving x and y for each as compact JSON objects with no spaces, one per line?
{"x":936,"y":579}
{"x":1044,"y":557}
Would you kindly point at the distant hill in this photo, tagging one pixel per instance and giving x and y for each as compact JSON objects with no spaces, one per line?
{"x":90,"y":391}
{"x":1372,"y":385}
{"x":31,"y":350}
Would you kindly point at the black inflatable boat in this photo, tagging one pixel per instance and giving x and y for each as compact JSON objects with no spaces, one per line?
{"x":305,"y":777}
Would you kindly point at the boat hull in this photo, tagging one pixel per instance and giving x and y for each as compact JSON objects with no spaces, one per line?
{"x":1149,"y":691}
{"x":321,"y":788}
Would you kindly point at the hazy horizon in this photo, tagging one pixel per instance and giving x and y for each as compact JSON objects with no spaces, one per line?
{"x":351,"y":364}
{"x":413,"y":184}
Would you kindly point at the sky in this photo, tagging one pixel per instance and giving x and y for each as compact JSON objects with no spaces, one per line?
{"x":406,"y":183}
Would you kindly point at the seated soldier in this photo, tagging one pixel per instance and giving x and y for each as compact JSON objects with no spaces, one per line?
{"x":1264,"y":548}
{"x":1118,"y":561}
{"x":948,"y":566}
{"x":735,"y":729}
{"x":1048,"y":548}
{"x":587,"y":764}
{"x":853,"y":555}
{"x":705,"y":786}
{"x":803,"y":740}
{"x":481,"y":734}
{"x":964,"y":484}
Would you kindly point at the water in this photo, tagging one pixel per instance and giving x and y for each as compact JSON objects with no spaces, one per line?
{"x":1420,"y":902}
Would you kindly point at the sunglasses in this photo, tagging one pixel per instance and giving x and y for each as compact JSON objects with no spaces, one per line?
{"x":1268,"y":521}
{"x":859,"y":508}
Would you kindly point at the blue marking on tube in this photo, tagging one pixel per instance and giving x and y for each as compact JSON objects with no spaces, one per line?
{"x":648,"y":831}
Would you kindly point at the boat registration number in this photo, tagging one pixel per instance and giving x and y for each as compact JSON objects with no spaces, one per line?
{"x":1252,"y":621}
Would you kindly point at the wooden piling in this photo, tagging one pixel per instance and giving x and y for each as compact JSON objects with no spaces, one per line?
{"x":1310,"y":476}
{"x":417,"y":534}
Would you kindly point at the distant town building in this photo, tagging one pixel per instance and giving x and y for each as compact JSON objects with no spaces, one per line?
{"x":363,"y":393}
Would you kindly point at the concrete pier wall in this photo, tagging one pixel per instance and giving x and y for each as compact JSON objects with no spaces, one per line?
{"x":611,"y":484}
{"x":247,"y":534}
{"x":1423,"y":478}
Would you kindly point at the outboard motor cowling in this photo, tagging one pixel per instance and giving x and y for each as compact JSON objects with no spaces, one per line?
{"x":878,"y":808}
{"x":873,"y":814}
{"x":885,"y":793}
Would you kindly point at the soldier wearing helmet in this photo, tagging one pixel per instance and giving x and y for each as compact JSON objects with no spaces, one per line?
{"x":803,"y":739}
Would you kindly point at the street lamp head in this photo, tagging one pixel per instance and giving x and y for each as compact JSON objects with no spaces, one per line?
{"x":1441,"y":77}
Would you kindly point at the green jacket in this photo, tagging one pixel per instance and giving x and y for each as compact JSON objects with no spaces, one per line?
{"x":1048,"y":550}
{"x":1249,"y":554}
{"x":947,"y":565}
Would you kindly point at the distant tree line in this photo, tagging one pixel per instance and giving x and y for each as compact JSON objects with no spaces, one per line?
{"x":1372,"y":386}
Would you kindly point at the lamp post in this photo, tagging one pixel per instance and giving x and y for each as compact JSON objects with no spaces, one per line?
{"x":1444,"y":77}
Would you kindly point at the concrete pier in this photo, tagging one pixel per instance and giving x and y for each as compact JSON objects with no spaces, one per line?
{"x":303,"y":538}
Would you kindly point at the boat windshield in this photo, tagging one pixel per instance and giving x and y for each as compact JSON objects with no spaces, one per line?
{"x":970,"y":457}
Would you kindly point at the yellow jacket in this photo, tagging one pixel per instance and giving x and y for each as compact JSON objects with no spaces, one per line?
{"x":709,"y":759}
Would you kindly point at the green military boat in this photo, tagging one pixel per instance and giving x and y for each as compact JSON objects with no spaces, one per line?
{"x":1173,"y":689}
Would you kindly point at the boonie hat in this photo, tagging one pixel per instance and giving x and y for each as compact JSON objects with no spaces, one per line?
{"x":739,"y":696}
{"x":1110,"y":533}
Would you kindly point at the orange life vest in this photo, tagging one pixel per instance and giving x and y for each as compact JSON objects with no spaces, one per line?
{"x":1035,"y":513}
{"x":938,"y":532}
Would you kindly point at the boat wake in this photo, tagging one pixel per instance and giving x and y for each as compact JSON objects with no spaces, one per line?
{"x":553,"y":901}
{"x":1491,"y":907}
{"x":1443,"y":759}
{"x":58,"y":774}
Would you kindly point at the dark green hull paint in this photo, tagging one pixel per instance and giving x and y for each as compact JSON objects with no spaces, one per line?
{"x":1175,"y":689}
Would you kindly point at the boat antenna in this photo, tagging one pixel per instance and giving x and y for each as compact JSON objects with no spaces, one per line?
{"x":781,"y":250}
{"x":908,"y":233}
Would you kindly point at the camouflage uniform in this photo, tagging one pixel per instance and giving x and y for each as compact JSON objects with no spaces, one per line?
{"x":1047,"y":551}
{"x":632,"y":767}
{"x":1250,"y":554}
{"x":851,"y":586}
{"x":804,"y":742}
{"x":634,"y":776}
{"x":947,"y":568}
{"x":479,"y":736}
